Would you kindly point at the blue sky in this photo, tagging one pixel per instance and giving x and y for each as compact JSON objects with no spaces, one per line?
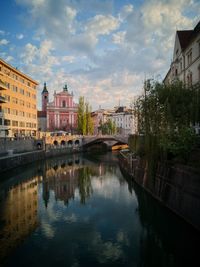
{"x":103,"y":49}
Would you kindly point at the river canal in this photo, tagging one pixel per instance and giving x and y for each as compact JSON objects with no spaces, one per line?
{"x":77,"y":211}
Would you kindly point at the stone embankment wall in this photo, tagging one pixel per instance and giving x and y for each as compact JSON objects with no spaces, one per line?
{"x":176,"y":187}
{"x":9,"y":146}
{"x":15,"y":160}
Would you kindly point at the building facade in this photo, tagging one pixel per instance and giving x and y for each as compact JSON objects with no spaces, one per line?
{"x":185,"y":66}
{"x":123,"y":118}
{"x":99,"y":117}
{"x":3,"y":127}
{"x":124,"y":121}
{"x":62,"y":112}
{"x":19,"y":111}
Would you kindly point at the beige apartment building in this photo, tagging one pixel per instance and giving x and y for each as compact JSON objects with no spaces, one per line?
{"x":18,"y":105}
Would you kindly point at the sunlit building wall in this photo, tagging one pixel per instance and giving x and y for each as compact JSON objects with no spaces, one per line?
{"x":20,"y":108}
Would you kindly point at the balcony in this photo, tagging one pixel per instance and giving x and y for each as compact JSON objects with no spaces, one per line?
{"x":2,"y":100}
{"x":2,"y":85}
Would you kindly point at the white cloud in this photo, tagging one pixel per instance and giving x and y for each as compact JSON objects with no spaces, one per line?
{"x":20,"y":36}
{"x":119,"y":48}
{"x":69,"y":59}
{"x":9,"y":58}
{"x":2,"y":32}
{"x":126,"y":10}
{"x":29,"y":53}
{"x":4,"y":42}
{"x":119,"y":37}
{"x":101,"y":25}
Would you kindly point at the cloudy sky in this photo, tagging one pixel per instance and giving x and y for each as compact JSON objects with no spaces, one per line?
{"x":102,"y":49}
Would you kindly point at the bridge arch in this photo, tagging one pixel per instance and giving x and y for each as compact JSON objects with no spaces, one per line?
{"x":77,"y":142}
{"x":63,"y":143}
{"x":55,"y":142}
{"x":70,"y":143}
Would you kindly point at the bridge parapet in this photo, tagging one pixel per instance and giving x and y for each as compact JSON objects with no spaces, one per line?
{"x":91,"y":139}
{"x":63,"y":139}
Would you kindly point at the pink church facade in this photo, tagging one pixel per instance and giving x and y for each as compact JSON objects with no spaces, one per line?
{"x":62,"y":112}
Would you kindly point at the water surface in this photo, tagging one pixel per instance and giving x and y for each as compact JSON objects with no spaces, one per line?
{"x":81,"y":211}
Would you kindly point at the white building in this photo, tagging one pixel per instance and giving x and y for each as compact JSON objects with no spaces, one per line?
{"x":124,"y":120}
{"x":186,"y":58}
{"x":185,"y":66}
{"x":99,"y":117}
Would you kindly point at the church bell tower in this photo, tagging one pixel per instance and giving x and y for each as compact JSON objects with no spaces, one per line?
{"x":45,"y":98}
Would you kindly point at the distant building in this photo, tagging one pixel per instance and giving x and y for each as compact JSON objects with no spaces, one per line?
{"x":122,"y":117}
{"x":124,"y":120}
{"x":42,"y":121}
{"x":186,"y":58}
{"x":62,"y":112}
{"x":99,"y":117}
{"x":18,"y":112}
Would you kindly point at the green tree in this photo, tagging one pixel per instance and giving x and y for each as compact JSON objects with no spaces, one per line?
{"x":108,"y":127}
{"x":85,"y":123}
{"x":89,"y":121}
{"x":81,"y":118}
{"x":165,"y":117}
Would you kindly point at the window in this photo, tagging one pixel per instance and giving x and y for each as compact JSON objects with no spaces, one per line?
{"x":189,"y":57}
{"x":14,"y":100}
{"x":189,"y":78}
{"x":7,"y":122}
{"x":22,"y":102}
{"x":181,"y":65}
{"x":199,"y":71}
{"x":7,"y":97}
{"x":63,"y":104}
{"x":14,"y":88}
{"x":21,"y":91}
{"x":21,"y":113}
{"x":22,"y":124}
{"x":7,"y":110}
{"x":14,"y":112}
{"x":14,"y":123}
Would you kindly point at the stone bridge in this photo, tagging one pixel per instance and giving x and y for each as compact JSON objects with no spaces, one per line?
{"x":64,"y":140}
{"x":84,"y":141}
{"x":109,"y":140}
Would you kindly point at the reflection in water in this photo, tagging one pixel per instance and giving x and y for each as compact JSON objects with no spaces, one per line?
{"x":18,"y":214}
{"x":82,"y":212}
